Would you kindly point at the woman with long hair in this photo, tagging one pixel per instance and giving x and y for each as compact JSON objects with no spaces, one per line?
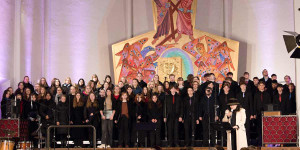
{"x":155,"y":116}
{"x":66,"y":86}
{"x":43,"y":83}
{"x":20,"y":89}
{"x":146,"y":94}
{"x":42,"y":94}
{"x":91,"y":117}
{"x":135,"y":87}
{"x":81,"y":85}
{"x":109,"y":81}
{"x":96,"y":81}
{"x":107,"y":111}
{"x":77,"y":118}
{"x":55,"y":83}
{"x":123,"y":111}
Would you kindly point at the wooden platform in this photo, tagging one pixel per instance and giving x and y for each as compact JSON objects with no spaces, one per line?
{"x":178,"y":148}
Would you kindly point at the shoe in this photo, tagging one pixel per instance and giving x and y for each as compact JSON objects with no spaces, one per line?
{"x":101,"y":146}
{"x":108,"y":146}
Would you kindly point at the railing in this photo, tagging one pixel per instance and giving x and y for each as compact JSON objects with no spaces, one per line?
{"x":71,"y":126}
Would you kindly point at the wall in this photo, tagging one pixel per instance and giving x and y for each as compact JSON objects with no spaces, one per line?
{"x":60,"y":38}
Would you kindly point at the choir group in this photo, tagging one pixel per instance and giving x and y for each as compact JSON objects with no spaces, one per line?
{"x":177,"y":109}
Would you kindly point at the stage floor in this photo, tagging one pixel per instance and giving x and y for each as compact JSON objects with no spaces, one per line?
{"x":177,"y":148}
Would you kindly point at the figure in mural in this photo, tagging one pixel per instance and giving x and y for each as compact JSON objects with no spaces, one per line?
{"x":184,"y":19}
{"x":163,"y":19}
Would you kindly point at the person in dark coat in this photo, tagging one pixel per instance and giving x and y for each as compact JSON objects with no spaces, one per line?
{"x":267,"y":80}
{"x":62,"y":118}
{"x":123,"y":112}
{"x":224,"y":98}
{"x":46,"y":112}
{"x":27,"y":84}
{"x":139,"y":115}
{"x":6,"y":105}
{"x":91,"y":115}
{"x":77,"y":118}
{"x":190,"y":115}
{"x":174,"y":115}
{"x":154,"y":116}
{"x":261,"y":100}
{"x":208,"y":115}
{"x":280,"y":100}
{"x":287,"y":80}
{"x":245,"y":99}
{"x":291,"y":103}
{"x":141,"y":82}
{"x":249,"y":83}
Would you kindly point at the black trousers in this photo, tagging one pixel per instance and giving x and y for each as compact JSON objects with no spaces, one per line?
{"x":259,"y":129}
{"x":155,"y":135}
{"x":208,"y":132}
{"x":247,"y":126}
{"x":189,"y":128}
{"x":123,"y":130}
{"x":172,"y":128}
{"x":137,"y":134}
{"x":107,"y":131}
{"x":233,"y":140}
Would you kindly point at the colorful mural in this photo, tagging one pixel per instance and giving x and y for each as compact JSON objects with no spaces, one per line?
{"x":174,"y":36}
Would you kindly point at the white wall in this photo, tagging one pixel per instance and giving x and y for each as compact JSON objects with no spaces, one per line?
{"x":74,"y":37}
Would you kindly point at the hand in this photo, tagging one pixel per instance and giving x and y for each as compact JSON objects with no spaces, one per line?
{"x":254,"y":116}
{"x":235,"y":127}
{"x":91,"y":114}
{"x":216,"y":118}
{"x":200,"y":118}
{"x":71,"y":122}
{"x":251,"y":117}
{"x":180,"y":119}
{"x":197,"y":122}
{"x":103,"y":117}
{"x":57,"y":123}
{"x":165,"y":119}
{"x":116,"y":121}
{"x":139,"y":117}
{"x":152,"y":120}
{"x":229,"y":114}
{"x":111,"y":118}
{"x":155,"y":120}
{"x":86,"y":121}
{"x":47,"y":117}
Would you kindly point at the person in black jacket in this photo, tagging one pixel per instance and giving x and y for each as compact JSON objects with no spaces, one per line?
{"x":142,"y":83}
{"x":280,"y":100}
{"x":123,"y":111}
{"x":208,"y":115}
{"x":90,"y":115}
{"x":291,"y":103}
{"x":6,"y":105}
{"x":245,"y":99}
{"x":261,"y":100}
{"x":174,"y":114}
{"x":249,"y":83}
{"x":190,"y":115}
{"x":224,"y":98}
{"x":139,"y":114}
{"x":62,"y":118}
{"x":267,"y":80}
{"x":154,"y":116}
{"x":77,"y":118}
{"x":27,"y":84}
{"x":46,"y":112}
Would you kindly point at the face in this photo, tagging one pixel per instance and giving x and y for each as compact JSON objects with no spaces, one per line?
{"x":28,"y":91}
{"x":139,"y":99}
{"x":246,"y":76}
{"x":43,"y":81}
{"x":261,"y":87}
{"x":172,"y":78}
{"x":255,"y":81}
{"x":134,"y":83}
{"x":243,"y":87}
{"x":72,"y":90}
{"x":226,"y":89}
{"x":233,"y":107}
{"x":33,"y":98}
{"x":274,"y":77}
{"x":129,"y":90}
{"x":173,"y":90}
{"x":121,"y":84}
{"x":208,"y":92}
{"x":139,"y":77}
{"x":26,"y":80}
{"x":124,"y":96}
{"x":48,"y":97}
{"x":92,"y":97}
{"x":37,"y":87}
{"x":108,"y":92}
{"x":151,"y":85}
{"x":265,"y":72}
{"x":145,"y":90}
{"x":279,"y":89}
{"x":211,"y":85}
{"x":180,"y":82}
{"x":123,"y":80}
{"x":212,"y":78}
{"x":95,"y":79}
{"x":21,"y":86}
{"x":230,"y":76}
{"x":102,"y":93}
{"x":117,"y":90}
{"x":59,"y":91}
{"x":78,"y":96}
{"x":43,"y":90}
{"x":63,"y":99}
{"x":287,"y":79}
{"x":160,"y":88}
{"x":156,"y":78}
{"x":10,"y":90}
{"x":167,"y":85}
{"x":68,"y":81}
{"x":57,"y":82}
{"x":88,"y":89}
{"x":7,"y":94}
{"x":154,"y":99}
{"x":274,"y":85}
{"x":107,"y":79}
{"x":291,"y":87}
{"x":195,"y":85}
{"x":80,"y":82}
{"x":19,"y":96}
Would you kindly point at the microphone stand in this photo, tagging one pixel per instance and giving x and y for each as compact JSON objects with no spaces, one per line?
{"x":165,"y":114}
{"x":137,"y":133}
{"x":68,"y":136}
{"x":215,"y":109}
{"x":193,"y":122}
